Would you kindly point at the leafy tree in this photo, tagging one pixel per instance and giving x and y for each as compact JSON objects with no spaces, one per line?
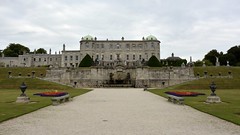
{"x":13,"y":50}
{"x":211,"y":56}
{"x":236,"y":52}
{"x":87,"y":61}
{"x":208,"y":63}
{"x":198,"y":63}
{"x":41,"y":51}
{"x":153,"y":62}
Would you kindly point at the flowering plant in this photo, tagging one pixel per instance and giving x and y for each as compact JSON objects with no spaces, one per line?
{"x":51,"y":94}
{"x":183,"y":93}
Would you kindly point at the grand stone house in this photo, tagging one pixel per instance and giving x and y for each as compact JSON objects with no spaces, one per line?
{"x":103,"y":51}
{"x":107,"y":51}
{"x":117,"y":63}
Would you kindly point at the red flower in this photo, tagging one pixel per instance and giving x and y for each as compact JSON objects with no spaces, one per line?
{"x":183,"y":93}
{"x":51,"y":94}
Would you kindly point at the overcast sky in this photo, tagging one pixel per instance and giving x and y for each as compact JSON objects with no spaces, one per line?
{"x":184,"y":27}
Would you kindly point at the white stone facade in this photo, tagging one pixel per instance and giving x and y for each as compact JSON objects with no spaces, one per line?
{"x":125,"y":50}
{"x":103,"y":51}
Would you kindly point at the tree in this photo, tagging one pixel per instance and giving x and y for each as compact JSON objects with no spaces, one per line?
{"x":208,"y":63}
{"x":87,"y":61}
{"x":153,"y":62}
{"x":13,"y":50}
{"x":211,"y":56}
{"x":198,"y":63}
{"x":235,"y":51}
{"x":41,"y":51}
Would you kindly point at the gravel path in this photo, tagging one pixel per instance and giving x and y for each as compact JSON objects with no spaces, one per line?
{"x":118,"y":112}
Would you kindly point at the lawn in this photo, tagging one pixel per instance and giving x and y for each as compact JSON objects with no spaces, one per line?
{"x":9,"y":91}
{"x":227,"y":88}
{"x":228,"y":110}
{"x":11,"y":109}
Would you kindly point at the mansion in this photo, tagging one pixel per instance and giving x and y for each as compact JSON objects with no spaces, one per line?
{"x":117,"y":63}
{"x":104,"y":52}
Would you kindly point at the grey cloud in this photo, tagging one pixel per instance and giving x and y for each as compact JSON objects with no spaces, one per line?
{"x":185,"y":27}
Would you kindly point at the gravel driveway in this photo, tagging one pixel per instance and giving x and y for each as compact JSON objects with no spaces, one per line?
{"x":118,"y":112}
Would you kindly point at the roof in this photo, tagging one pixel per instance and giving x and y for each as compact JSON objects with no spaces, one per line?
{"x":151,"y":37}
{"x":87,"y":37}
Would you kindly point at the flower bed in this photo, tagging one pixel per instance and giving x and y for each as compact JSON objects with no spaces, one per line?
{"x":51,"y":94}
{"x":183,"y":93}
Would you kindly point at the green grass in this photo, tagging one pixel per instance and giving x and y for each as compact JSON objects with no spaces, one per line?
{"x":24,"y":71}
{"x":11,"y":109}
{"x":9,"y":91}
{"x":222,"y":82}
{"x":228,"y":110}
{"x":228,"y":89}
{"x":212,"y":70}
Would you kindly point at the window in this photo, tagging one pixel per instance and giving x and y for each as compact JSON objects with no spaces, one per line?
{"x":153,"y":45}
{"x":127,"y":57}
{"x":34,"y":59}
{"x":118,"y":46}
{"x":45,"y":59}
{"x":111,"y":57}
{"x":102,"y":57}
{"x":76,"y":57}
{"x":102,"y":45}
{"x":133,"y":56}
{"x":50,"y":59}
{"x":65,"y":58}
{"x":111,"y":46}
{"x":118,"y":56}
{"x":24,"y":59}
{"x":71,"y":57}
{"x":134,"y":46}
{"x":65,"y":64}
{"x":39,"y":59}
{"x":140,"y":57}
{"x":128,"y":46}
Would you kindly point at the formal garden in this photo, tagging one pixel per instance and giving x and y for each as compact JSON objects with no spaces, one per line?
{"x":226,"y":79}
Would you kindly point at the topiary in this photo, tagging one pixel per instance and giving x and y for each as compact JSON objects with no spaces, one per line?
{"x":153,"y":62}
{"x":87,"y":61}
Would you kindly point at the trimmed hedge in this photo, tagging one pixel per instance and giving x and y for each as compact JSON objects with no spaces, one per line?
{"x":87,"y":61}
{"x":153,"y":62}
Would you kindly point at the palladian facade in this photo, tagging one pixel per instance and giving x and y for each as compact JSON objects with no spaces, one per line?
{"x":107,"y":52}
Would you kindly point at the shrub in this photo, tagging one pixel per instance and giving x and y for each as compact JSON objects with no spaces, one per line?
{"x":153,"y":62}
{"x":87,"y":61}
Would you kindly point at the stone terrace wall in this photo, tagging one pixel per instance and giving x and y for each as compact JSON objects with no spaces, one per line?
{"x":97,"y":77}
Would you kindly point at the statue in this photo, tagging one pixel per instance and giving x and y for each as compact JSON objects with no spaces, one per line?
{"x":217,"y":62}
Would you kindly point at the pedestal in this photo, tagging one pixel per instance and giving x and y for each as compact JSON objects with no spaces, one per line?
{"x":23,"y":99}
{"x":213,"y":99}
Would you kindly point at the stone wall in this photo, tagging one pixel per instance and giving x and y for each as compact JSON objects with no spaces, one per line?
{"x":138,"y":77}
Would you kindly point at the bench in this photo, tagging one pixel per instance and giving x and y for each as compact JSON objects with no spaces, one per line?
{"x":175,"y":99}
{"x":61,"y":99}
